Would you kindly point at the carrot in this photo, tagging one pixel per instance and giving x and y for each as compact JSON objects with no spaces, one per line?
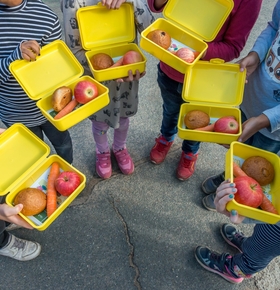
{"x":51,"y":191}
{"x":237,"y":171}
{"x":67,"y":109}
{"x":119,"y":62}
{"x":209,"y":128}
{"x":196,"y":53}
{"x":267,"y":205}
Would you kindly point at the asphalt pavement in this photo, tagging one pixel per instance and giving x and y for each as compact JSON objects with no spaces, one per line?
{"x":138,"y":231}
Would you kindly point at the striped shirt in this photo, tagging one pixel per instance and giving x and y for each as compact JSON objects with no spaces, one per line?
{"x":31,"y":20}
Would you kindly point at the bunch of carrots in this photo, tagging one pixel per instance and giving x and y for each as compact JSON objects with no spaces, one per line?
{"x":266,"y":204}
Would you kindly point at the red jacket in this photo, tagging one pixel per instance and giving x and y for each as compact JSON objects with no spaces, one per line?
{"x":230,"y":40}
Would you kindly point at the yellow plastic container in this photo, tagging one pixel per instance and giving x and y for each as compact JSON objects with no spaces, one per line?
{"x":190,"y":24}
{"x":239,"y":152}
{"x":25,"y":163}
{"x":109,"y":31}
{"x":55,"y":67}
{"x":215,"y":88}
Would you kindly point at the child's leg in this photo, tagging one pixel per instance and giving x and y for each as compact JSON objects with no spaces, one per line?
{"x":258,"y":250}
{"x":60,"y":140}
{"x":119,"y":147}
{"x":99,"y":131}
{"x":120,"y":135}
{"x":103,"y":157}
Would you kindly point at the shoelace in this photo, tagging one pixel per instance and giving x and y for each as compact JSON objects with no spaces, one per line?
{"x":238,"y":236}
{"x":19,"y":244}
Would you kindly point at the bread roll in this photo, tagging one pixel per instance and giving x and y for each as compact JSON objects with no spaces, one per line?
{"x":101,"y":61}
{"x":61,"y":97}
{"x":259,"y":168}
{"x":196,"y":119}
{"x":34,"y":201}
{"x":160,"y":37}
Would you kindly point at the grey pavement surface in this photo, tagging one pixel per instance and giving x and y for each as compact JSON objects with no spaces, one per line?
{"x":138,"y":231}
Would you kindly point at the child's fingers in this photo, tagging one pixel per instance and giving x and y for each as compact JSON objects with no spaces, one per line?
{"x":30,"y":50}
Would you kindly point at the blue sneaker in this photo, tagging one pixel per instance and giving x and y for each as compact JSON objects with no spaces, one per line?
{"x":208,"y":202}
{"x":233,"y":236}
{"x":216,"y":263}
{"x":210,"y":184}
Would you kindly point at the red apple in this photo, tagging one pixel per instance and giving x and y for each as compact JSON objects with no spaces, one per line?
{"x":85,"y":91}
{"x":226,"y":124}
{"x":186,"y":54}
{"x":67,"y":182}
{"x":132,"y":57}
{"x":249,"y":192}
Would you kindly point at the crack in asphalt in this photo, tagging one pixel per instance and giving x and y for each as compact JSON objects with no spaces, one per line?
{"x":130,"y":245}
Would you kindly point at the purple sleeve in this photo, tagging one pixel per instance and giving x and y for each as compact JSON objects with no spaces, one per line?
{"x":152,"y":7}
{"x":233,"y":35}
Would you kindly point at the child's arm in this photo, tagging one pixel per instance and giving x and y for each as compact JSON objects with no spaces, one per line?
{"x":233,"y":35}
{"x":2,"y":130}
{"x":156,"y":5}
{"x":10,"y":214}
{"x":252,"y":126}
{"x":250,"y":63}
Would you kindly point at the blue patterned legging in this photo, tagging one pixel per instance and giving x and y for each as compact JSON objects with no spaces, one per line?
{"x":258,"y":250}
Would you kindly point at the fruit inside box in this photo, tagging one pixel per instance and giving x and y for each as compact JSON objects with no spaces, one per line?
{"x":174,"y":46}
{"x":253,"y":177}
{"x":65,"y":182}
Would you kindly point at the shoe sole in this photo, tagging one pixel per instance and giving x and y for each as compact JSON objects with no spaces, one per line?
{"x":228,"y":241}
{"x":208,"y":208}
{"x":128,"y":173}
{"x":216,"y":272}
{"x":154,"y":162}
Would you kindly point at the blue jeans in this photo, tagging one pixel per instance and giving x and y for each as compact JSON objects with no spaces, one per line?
{"x":171,"y":93}
{"x":260,"y":141}
{"x":61,"y":141}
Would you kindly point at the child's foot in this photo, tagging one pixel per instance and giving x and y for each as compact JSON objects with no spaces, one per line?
{"x":216,"y":263}
{"x":186,"y":166}
{"x":103,"y":164}
{"x":124,"y":161}
{"x":160,"y":150}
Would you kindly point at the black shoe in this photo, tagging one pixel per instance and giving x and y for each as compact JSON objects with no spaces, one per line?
{"x":210,"y":184}
{"x":208,"y":202}
{"x":216,"y":263}
{"x":232,"y":236}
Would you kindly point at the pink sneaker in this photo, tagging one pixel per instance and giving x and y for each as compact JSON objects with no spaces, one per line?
{"x":103,"y":165}
{"x":124,"y":161}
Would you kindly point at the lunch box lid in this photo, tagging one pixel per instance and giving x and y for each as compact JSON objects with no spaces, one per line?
{"x":55,"y":67}
{"x":21,"y":152}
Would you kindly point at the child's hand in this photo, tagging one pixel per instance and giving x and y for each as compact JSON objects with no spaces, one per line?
{"x":252,"y":126}
{"x":112,"y":4}
{"x":30,"y":50}
{"x":10,"y":214}
{"x":2,"y":130}
{"x":250,"y":63}
{"x":225,"y":193}
{"x":132,"y":77}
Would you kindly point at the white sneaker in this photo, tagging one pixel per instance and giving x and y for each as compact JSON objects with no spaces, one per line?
{"x":20,"y":249}
{"x":12,"y":227}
